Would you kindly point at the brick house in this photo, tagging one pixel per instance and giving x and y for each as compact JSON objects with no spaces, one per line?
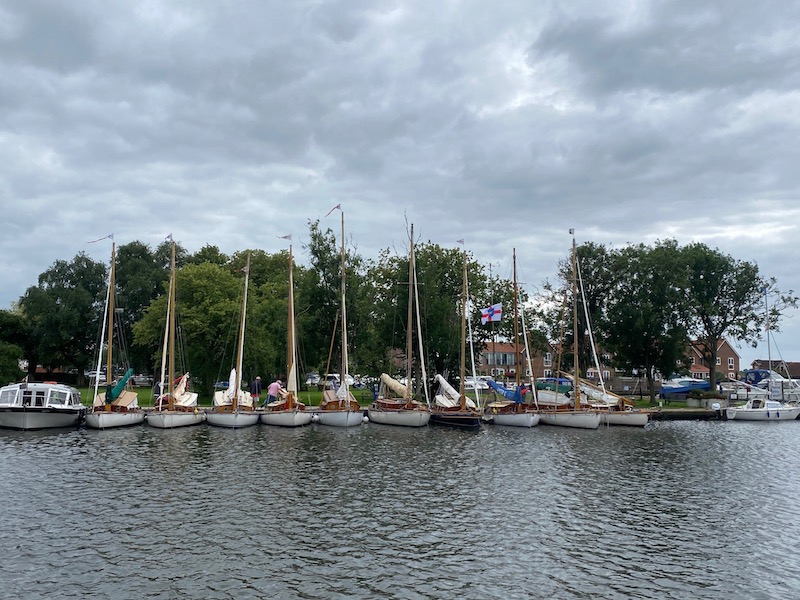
{"x":778,"y":366}
{"x":727,"y":361}
{"x":501,"y":360}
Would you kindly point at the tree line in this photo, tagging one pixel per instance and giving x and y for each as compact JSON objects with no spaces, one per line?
{"x":644,"y":303}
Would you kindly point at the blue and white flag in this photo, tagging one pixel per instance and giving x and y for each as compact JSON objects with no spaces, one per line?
{"x":493,"y":313}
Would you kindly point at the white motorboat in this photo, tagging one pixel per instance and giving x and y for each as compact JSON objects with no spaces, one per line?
{"x":759,"y":409}
{"x":40,"y":406}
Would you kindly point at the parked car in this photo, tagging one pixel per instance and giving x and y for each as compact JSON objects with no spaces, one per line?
{"x":312,"y":379}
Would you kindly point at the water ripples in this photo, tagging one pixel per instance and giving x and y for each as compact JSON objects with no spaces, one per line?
{"x":700,"y":509}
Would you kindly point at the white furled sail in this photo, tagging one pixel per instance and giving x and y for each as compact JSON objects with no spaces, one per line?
{"x":394,"y":385}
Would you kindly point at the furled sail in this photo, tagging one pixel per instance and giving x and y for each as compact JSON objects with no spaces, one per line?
{"x":394,"y":385}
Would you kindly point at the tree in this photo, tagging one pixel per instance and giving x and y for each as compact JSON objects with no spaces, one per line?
{"x":64,"y":312}
{"x":594,"y":263}
{"x":209,"y":254}
{"x":13,"y":336}
{"x":140,"y":278}
{"x":208,"y":305}
{"x":725,"y":298}
{"x":644,"y":327}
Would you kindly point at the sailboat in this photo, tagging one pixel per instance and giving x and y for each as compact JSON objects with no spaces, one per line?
{"x":175,"y":407}
{"x":770,"y":408}
{"x":338,"y":407}
{"x":614,"y":409}
{"x":395,"y":404}
{"x":233,"y":407}
{"x":513,"y":410}
{"x":574,"y":415}
{"x":118,"y":406}
{"x":287,"y":411}
{"x":451,"y":407}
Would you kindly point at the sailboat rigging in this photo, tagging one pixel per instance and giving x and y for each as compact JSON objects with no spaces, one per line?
{"x":513,"y":410}
{"x":175,"y":407}
{"x":338,"y":407}
{"x":118,"y":406}
{"x":395,"y":404}
{"x":234,"y":408}
{"x":288,"y":411}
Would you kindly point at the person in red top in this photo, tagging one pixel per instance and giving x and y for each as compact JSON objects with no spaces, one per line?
{"x":272,"y":391}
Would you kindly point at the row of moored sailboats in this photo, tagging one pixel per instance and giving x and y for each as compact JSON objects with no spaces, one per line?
{"x":396,"y":403}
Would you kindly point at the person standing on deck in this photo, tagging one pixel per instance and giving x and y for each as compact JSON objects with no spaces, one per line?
{"x":272,"y":391}
{"x":255,"y":390}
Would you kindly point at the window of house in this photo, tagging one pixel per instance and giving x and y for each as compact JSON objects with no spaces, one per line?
{"x":548,"y":359}
{"x":548,"y":373}
{"x":693,"y":360}
{"x":719,"y":360}
{"x":606,"y":375}
{"x":731,"y":375}
{"x":730,"y":362}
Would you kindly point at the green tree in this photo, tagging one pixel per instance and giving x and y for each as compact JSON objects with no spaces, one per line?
{"x":725,"y":298}
{"x":594,"y":262}
{"x":140,"y":278}
{"x":210,"y":254}
{"x":208,"y":305}
{"x":644,"y":327}
{"x":13,"y":337}
{"x":64,"y":312}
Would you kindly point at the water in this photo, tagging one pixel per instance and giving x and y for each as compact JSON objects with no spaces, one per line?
{"x":676,"y":510}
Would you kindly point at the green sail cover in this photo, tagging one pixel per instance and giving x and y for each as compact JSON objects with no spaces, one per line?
{"x":113,"y":394}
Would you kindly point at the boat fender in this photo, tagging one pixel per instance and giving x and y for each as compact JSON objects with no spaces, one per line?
{"x":315,"y":418}
{"x":365,"y":419}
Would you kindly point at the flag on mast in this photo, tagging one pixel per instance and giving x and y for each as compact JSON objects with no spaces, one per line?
{"x":493,"y":313}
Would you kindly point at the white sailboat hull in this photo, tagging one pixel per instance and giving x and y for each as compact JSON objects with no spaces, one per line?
{"x":340,"y":418}
{"x":624,"y":417}
{"x":102,"y":419}
{"x":578,"y":419}
{"x":784,"y":413}
{"x":232,"y":419}
{"x":39,"y":418}
{"x":166,"y":419}
{"x":286,"y":418}
{"x":526,"y":419}
{"x":402,"y":418}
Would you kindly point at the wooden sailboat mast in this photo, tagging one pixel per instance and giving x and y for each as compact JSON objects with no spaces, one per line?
{"x":240,"y":347}
{"x":171,"y":327}
{"x":410,"y":316}
{"x":575,"y":323}
{"x":110,"y":334}
{"x":462,"y":397}
{"x":344,"y":327}
{"x":291,"y":349}
{"x":516,"y":319}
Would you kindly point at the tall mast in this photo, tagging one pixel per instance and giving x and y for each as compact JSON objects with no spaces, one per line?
{"x":240,"y":349}
{"x":516,"y":319}
{"x":111,"y":284}
{"x":576,"y":373}
{"x":410,"y":315}
{"x":344,"y":328}
{"x":462,"y":397}
{"x":171,"y":388}
{"x":291,"y":349}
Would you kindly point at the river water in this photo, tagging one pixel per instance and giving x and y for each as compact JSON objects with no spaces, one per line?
{"x":685,"y":509}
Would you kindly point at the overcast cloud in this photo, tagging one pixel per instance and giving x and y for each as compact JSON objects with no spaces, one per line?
{"x":504,"y":124}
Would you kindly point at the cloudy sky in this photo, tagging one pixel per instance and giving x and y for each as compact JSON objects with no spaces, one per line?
{"x":502,"y":123}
